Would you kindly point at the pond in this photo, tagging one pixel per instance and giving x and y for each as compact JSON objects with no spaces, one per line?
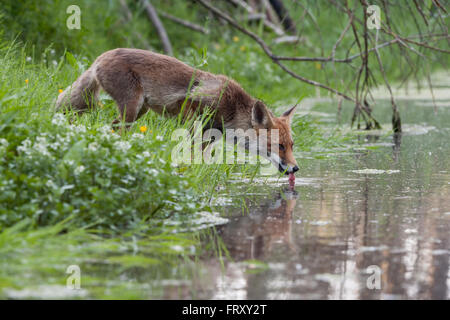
{"x":375,"y":210}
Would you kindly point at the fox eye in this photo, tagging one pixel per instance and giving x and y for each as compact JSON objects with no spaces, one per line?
{"x":281,"y":147}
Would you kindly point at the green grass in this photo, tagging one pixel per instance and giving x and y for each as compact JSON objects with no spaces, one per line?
{"x":76,"y":193}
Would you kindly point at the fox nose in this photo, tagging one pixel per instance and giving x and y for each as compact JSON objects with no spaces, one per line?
{"x":295,"y":169}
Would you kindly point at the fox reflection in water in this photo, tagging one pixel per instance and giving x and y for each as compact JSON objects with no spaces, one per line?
{"x":255,"y":235}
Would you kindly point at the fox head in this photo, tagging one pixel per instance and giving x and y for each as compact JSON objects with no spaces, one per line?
{"x":278,"y":132}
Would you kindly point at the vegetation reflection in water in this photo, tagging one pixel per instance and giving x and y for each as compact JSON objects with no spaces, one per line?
{"x":385,"y":204}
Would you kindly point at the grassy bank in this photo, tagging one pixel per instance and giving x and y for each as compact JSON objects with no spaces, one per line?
{"x":79,"y":193}
{"x":75,"y":192}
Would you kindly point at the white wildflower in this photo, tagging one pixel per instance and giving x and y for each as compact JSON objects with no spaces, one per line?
{"x":4,"y":143}
{"x":55,"y":145}
{"x":28,"y":59}
{"x":79,"y":170}
{"x":123,"y":146}
{"x":59,"y":120}
{"x":93,"y":146}
{"x":137,"y":136}
{"x":51,"y":184}
{"x":159,"y":138}
{"x":70,"y":163}
{"x":79,"y":128}
{"x":25,"y":147}
{"x":41,"y":145}
{"x":128,"y":179}
{"x":177,"y":248}
{"x":106,"y":133}
{"x":62,"y":141}
{"x":105,"y":129}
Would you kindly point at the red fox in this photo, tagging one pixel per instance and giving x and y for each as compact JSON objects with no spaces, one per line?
{"x":140,"y":80}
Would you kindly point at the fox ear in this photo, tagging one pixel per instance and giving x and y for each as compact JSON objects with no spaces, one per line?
{"x":289,"y":113}
{"x":261,"y":116}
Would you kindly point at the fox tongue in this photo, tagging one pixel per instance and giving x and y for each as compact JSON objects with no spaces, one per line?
{"x":291,"y":179}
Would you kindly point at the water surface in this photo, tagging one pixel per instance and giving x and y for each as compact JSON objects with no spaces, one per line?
{"x":382,"y":202}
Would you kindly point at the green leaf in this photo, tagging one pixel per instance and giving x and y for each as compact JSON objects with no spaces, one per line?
{"x":71,"y":60}
{"x":76,"y":152}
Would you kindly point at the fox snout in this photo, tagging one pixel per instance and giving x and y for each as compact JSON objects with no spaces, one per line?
{"x":287,"y":169}
{"x":285,"y":163}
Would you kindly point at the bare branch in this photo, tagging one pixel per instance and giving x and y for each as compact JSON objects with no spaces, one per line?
{"x":440,"y":6}
{"x":420,"y":11}
{"x":425,"y":45}
{"x":385,"y":44}
{"x":333,"y":51}
{"x":365,"y":42}
{"x":128,"y":16}
{"x":396,"y":123}
{"x":153,"y":16}
{"x":267,"y":50}
{"x":314,"y":21}
{"x":126,"y":10}
{"x":184,"y":23}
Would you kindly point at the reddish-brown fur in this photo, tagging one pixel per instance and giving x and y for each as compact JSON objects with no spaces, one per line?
{"x":140,"y":80}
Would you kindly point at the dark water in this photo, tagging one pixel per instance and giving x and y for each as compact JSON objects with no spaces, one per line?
{"x":381,"y":206}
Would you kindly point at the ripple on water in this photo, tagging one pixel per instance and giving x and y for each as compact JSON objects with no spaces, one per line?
{"x":417,"y":129}
{"x":374,"y":171}
{"x":277,"y":181}
{"x":408,"y":129}
{"x":197,"y":221}
{"x":46,"y":292}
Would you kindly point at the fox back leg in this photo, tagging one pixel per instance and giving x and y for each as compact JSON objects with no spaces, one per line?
{"x":125,"y":88}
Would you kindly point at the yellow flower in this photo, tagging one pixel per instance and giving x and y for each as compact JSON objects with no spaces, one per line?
{"x":143,"y":129}
{"x":182,"y":169}
{"x":60,"y":90}
{"x":235,"y":39}
{"x":318,"y":66}
{"x":243,"y":48}
{"x":26,"y":81}
{"x":112,"y":131}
